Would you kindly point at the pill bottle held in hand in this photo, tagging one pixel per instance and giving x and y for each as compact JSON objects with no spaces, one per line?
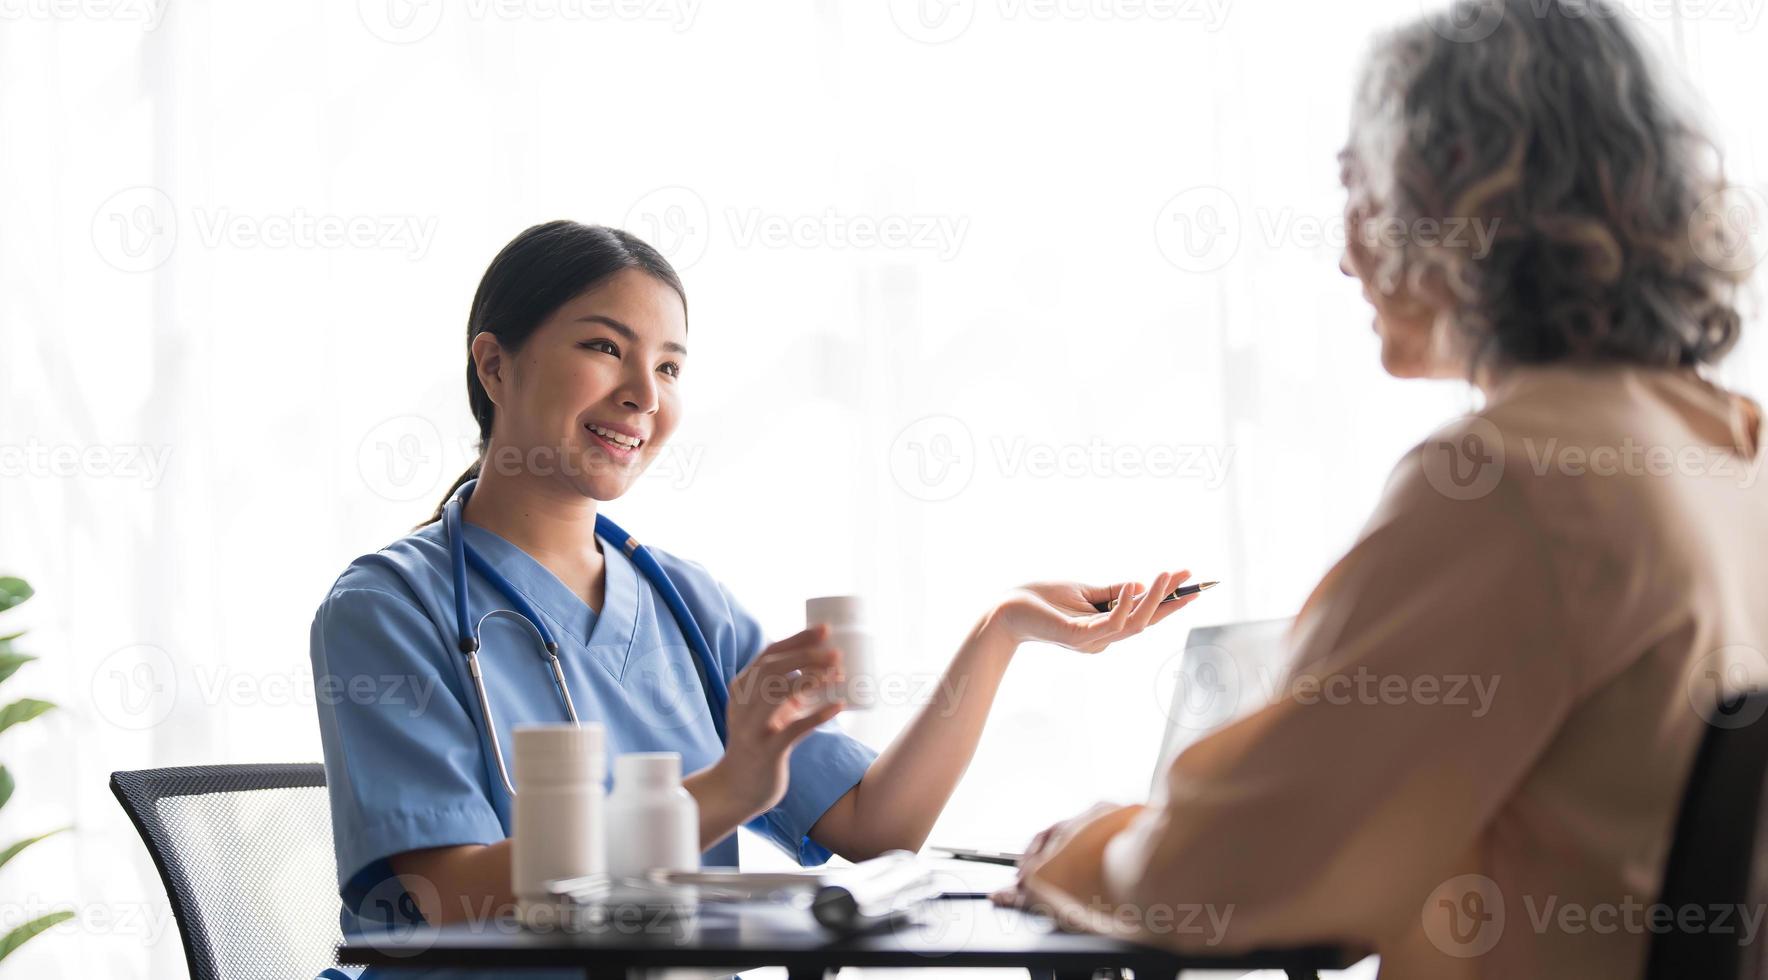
{"x":557,"y":816}
{"x":845,"y":617}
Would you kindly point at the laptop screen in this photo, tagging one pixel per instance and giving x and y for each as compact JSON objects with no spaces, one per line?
{"x":1226,"y":673}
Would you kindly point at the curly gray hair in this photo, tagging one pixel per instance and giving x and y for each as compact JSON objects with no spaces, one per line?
{"x":1548,"y":121}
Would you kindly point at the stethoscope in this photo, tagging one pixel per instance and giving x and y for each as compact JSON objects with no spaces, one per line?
{"x":462,"y":555}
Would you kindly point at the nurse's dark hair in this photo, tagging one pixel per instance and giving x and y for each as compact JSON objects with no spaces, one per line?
{"x":540,"y":270}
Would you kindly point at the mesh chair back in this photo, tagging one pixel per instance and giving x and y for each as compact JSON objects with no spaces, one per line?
{"x":1719,"y":856}
{"x":245,"y":853}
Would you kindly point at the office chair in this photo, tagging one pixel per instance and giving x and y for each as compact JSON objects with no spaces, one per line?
{"x":1719,"y":854}
{"x":245,"y":853}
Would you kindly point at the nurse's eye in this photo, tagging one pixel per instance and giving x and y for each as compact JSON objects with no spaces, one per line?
{"x":605,"y":346}
{"x":670,"y":368}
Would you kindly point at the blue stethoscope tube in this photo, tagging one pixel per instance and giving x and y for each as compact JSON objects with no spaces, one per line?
{"x":462,"y":556}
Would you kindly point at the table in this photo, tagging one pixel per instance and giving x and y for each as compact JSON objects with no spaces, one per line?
{"x":950,"y":933}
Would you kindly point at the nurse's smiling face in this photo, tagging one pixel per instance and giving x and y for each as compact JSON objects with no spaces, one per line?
{"x":595,"y":393}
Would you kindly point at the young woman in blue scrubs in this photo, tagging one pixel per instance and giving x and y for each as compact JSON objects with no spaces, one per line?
{"x":578,"y":341}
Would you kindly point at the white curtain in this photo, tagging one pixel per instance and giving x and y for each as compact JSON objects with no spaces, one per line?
{"x":981,"y":292}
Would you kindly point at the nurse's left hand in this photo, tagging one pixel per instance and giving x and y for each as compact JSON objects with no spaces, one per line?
{"x":1062,"y":612}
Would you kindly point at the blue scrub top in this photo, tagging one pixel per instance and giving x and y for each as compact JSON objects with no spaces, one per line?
{"x":399,"y":720}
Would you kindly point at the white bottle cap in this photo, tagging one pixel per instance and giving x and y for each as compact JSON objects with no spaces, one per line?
{"x":559,"y":755}
{"x":836,"y":610}
{"x":647,"y":770}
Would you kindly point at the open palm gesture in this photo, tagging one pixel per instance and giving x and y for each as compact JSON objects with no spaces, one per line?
{"x":1063,"y":612}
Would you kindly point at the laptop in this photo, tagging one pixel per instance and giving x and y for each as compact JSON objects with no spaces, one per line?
{"x":1226,"y":673}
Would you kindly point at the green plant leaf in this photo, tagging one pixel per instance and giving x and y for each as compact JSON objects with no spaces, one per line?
{"x":21,"y":934}
{"x":13,"y":591}
{"x":17,"y":846}
{"x":22,"y":710}
{"x":5,"y":786}
{"x":11,"y":662}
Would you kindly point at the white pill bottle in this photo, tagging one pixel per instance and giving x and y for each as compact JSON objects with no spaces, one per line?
{"x":845,"y":615}
{"x":560,"y":826}
{"x":653,"y":822}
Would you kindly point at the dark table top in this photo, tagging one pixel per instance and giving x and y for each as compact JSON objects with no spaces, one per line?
{"x":949,"y":933}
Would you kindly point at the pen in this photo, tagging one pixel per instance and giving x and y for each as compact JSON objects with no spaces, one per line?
{"x":1178,"y":593}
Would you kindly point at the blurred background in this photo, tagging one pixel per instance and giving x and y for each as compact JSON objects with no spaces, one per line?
{"x":980,"y":292}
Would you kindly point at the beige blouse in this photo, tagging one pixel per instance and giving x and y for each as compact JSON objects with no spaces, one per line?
{"x":1475,"y":767}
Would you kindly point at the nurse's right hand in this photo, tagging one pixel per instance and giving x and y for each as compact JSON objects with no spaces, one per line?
{"x":774,"y":704}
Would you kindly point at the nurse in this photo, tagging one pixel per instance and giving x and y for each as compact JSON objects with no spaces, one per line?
{"x":578,"y":344}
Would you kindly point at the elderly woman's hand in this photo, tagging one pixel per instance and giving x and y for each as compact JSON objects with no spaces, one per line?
{"x":1068,"y":857}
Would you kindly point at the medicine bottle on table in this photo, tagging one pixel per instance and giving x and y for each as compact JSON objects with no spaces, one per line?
{"x":653,"y":822}
{"x":557,"y":814}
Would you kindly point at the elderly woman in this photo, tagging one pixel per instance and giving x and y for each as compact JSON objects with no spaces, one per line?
{"x":1590,"y":548}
